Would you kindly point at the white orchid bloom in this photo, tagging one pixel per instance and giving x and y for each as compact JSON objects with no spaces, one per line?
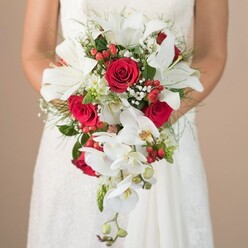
{"x":61,"y":82}
{"x":137,"y":128}
{"x":122,"y":156}
{"x":99,"y":162}
{"x":122,"y":199}
{"x":125,"y":31}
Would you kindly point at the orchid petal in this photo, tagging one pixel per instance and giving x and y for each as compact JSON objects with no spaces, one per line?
{"x":146,"y":124}
{"x":98,"y":161}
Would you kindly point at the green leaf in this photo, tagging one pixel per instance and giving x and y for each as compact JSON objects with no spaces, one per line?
{"x":67,"y":130}
{"x":101,"y":44}
{"x":88,"y":98}
{"x":75,"y":151}
{"x":84,"y":139}
{"x":149,"y":72}
{"x":102,"y":191}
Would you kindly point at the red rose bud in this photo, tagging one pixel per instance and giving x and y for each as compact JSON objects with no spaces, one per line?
{"x":160,"y":38}
{"x":177,"y":53}
{"x":80,"y":164}
{"x":122,"y":73}
{"x":86,"y":114}
{"x":158,"y":112}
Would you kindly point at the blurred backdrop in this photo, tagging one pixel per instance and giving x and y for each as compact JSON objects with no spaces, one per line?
{"x":222,"y":121}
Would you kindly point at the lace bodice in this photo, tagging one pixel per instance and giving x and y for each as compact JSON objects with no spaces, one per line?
{"x":178,"y":11}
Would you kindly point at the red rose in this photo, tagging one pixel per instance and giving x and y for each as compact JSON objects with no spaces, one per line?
{"x":122,"y":73}
{"x":160,"y":38}
{"x":80,"y":164}
{"x":158,"y":113}
{"x":84,"y":113}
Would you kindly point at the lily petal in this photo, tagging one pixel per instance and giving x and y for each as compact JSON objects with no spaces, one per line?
{"x":164,"y":57}
{"x":171,"y":98}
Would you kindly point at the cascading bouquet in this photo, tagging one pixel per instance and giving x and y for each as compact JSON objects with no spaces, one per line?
{"x":113,"y":89}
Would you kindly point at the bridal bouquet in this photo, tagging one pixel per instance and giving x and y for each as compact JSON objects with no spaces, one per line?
{"x":113,"y":89}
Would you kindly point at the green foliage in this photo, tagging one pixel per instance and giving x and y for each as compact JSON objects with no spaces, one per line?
{"x":102,"y":191}
{"x":149,"y":72}
{"x":84,"y":139}
{"x":88,"y":98}
{"x":101,"y":43}
{"x":67,"y":130}
{"x":75,"y":151}
{"x":169,"y":152}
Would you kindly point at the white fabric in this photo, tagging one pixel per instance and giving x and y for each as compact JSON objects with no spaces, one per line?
{"x":174,"y":214}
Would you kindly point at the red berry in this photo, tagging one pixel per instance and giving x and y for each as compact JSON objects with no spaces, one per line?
{"x":154,"y":154}
{"x":113,"y":49}
{"x":149,"y":159}
{"x":148,"y":83}
{"x":149,"y":149}
{"x":161,"y":152}
{"x":155,"y":91}
{"x":156,"y":83}
{"x":93,"y":51}
{"x":85,"y":129}
{"x":106,"y":63}
{"x":93,"y":129}
{"x":160,"y":88}
{"x":89,"y":143}
{"x":100,"y":125}
{"x":105,"y":54}
{"x":152,"y":97}
{"x":99,"y":56}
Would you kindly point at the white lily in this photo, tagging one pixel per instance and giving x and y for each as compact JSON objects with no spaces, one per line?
{"x":123,"y":31}
{"x":122,"y":199}
{"x":137,"y":128}
{"x":61,"y":82}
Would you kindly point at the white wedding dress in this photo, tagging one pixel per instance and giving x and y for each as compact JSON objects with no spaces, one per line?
{"x":173,"y":214}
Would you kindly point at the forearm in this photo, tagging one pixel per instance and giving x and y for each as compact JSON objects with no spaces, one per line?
{"x":34,"y":66}
{"x":211,"y":69}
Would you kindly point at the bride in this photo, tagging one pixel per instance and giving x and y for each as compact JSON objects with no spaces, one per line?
{"x":175,"y":213}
